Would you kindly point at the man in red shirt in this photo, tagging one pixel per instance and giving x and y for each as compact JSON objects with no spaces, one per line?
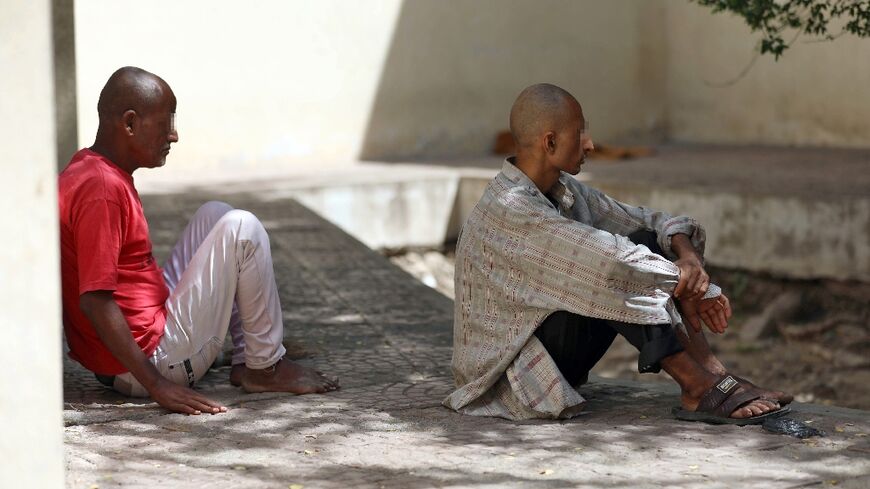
{"x":147,"y":331}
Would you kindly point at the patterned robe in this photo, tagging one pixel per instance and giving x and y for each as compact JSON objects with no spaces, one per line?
{"x":520,"y":258}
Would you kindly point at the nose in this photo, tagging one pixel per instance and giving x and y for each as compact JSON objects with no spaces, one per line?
{"x":588,"y":145}
{"x":173,"y":136}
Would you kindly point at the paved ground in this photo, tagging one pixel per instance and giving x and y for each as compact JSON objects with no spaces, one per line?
{"x":352,"y":313}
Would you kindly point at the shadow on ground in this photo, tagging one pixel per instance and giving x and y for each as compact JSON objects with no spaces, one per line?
{"x":388,"y":337}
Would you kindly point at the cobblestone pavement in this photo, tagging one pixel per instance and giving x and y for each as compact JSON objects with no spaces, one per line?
{"x":349,"y":312}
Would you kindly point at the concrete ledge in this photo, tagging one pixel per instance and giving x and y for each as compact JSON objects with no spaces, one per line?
{"x":787,"y":236}
{"x":800,"y":213}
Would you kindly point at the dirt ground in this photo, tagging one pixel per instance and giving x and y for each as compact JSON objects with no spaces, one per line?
{"x":807,"y":337}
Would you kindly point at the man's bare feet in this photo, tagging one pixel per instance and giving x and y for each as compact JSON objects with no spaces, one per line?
{"x":286,"y":376}
{"x":783,"y":398}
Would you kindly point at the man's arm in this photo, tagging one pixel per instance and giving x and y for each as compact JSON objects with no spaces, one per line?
{"x":111,"y":326}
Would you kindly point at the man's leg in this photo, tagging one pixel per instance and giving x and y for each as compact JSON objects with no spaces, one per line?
{"x":695,"y":343}
{"x":231,"y":265}
{"x":577,"y":343}
{"x":199,"y":226}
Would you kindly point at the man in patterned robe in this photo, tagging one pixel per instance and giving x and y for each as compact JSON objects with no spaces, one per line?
{"x":549,"y":271}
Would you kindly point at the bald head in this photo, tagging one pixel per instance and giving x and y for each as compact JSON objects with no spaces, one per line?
{"x":137,"y":119}
{"x":130,"y":88}
{"x":538,"y":109}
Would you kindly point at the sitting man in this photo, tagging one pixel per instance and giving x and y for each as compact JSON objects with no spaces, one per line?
{"x":144,"y":331}
{"x":549,"y":271}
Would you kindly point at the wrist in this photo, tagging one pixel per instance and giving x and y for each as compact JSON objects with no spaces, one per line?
{"x":681,"y":246}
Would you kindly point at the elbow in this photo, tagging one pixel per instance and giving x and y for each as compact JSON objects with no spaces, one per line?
{"x":86,"y":304}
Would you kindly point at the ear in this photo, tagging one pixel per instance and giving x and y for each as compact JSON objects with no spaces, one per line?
{"x":130,"y":120}
{"x":549,"y":142}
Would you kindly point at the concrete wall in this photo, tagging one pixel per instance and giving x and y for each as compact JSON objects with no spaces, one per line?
{"x":259,"y":84}
{"x":30,"y":384}
{"x":271,"y":84}
{"x":816,"y":95}
{"x":769,"y":233}
{"x":454,"y":69}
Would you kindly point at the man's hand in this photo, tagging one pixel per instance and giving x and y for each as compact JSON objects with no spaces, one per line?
{"x":715,"y":312}
{"x":183,"y":400}
{"x":111,"y":326}
{"x":693,"y":279}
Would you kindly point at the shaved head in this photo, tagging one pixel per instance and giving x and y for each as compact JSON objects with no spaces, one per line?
{"x":538,"y":109}
{"x":137,"y":119}
{"x":130,"y":88}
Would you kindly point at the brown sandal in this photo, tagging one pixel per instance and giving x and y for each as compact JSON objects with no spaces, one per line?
{"x":728,"y":395}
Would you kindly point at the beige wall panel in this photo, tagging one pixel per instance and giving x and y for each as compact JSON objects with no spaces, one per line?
{"x":259,"y":84}
{"x":817,"y":94}
{"x":30,"y":385}
{"x":272,"y":84}
{"x":455,"y":68}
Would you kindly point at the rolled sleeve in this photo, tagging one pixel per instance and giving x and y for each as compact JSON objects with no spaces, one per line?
{"x":681,"y":225}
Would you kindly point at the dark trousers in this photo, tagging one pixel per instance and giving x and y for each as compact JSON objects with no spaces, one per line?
{"x":576,"y":343}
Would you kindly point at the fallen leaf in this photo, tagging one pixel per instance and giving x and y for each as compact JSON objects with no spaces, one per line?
{"x":642,"y":417}
{"x":578,"y":449}
{"x":839,"y":429}
{"x":546,"y":472}
{"x":308,"y":452}
{"x":311,"y":436}
{"x":693,"y":467}
{"x":295,"y":486}
{"x":240,"y":467}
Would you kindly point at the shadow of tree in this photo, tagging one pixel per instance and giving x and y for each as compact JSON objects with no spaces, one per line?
{"x":388,"y":337}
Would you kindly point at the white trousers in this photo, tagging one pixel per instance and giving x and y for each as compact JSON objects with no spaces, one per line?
{"x":220,"y":278}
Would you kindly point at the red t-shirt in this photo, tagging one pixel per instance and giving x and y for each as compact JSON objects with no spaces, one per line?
{"x":104,"y":245}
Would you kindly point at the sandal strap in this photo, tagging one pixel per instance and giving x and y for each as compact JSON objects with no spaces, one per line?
{"x":727,"y":395}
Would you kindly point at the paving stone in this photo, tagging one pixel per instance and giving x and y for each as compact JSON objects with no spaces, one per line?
{"x":389,"y":339}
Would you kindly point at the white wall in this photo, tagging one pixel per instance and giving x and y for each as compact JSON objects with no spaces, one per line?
{"x":30,"y":384}
{"x":291,"y":84}
{"x":271,"y":84}
{"x":455,"y":68}
{"x":815,"y":95}
{"x":259,"y":84}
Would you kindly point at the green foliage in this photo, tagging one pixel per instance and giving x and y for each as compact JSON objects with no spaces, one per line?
{"x":811,"y":17}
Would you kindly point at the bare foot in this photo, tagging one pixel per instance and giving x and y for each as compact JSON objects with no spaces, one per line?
{"x":781,"y":397}
{"x":287,"y":376}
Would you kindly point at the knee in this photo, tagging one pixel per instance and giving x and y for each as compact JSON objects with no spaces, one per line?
{"x":213,"y":209}
{"x":248,"y":225}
